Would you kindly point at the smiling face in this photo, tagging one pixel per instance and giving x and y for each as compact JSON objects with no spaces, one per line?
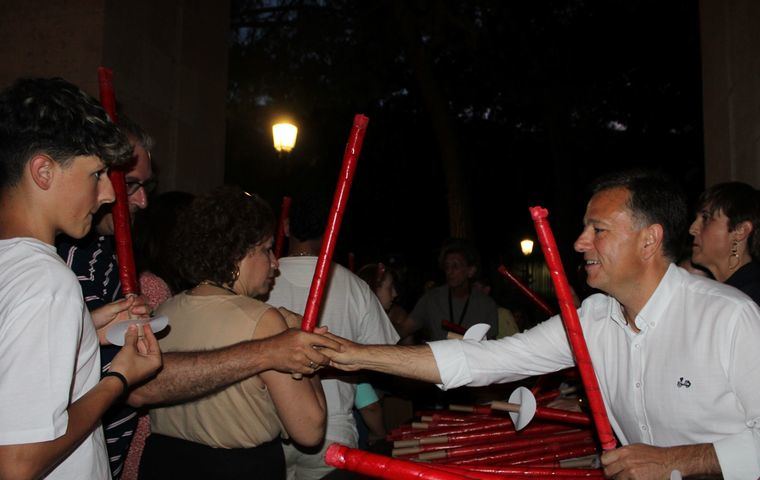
{"x":711,"y":247}
{"x":257,"y":270}
{"x":611,"y":242}
{"x":82,"y":188}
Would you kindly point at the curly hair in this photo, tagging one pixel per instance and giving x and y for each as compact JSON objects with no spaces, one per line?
{"x":216,"y":232}
{"x":54,"y":117}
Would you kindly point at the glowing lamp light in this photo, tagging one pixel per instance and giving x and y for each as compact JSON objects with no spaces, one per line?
{"x":284,"y":135}
{"x":526,"y":246}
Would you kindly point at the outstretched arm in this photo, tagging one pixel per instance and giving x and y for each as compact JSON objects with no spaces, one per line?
{"x":415,"y":362}
{"x":188,"y":375}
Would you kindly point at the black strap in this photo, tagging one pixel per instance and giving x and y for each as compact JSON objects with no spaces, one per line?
{"x":464,"y":309}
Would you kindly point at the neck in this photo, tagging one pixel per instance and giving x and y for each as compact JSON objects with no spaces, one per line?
{"x":636,"y":295}
{"x":724,"y":272}
{"x":17,"y":219}
{"x":213,"y":285}
{"x":460,"y":291}
{"x":298,"y":248}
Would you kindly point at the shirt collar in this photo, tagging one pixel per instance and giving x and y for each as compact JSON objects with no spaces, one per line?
{"x":651,"y":314}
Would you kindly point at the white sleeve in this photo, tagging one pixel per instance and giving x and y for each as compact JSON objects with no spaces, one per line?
{"x":540,"y":350}
{"x":376,"y":327}
{"x":739,"y":455}
{"x":38,"y":349}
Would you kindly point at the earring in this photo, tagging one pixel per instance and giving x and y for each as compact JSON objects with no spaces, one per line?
{"x":235,"y":275}
{"x":734,"y":255}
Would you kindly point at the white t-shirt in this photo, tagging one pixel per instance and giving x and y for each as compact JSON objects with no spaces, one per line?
{"x":48,"y":352}
{"x":349,"y":309}
{"x":691,"y":375}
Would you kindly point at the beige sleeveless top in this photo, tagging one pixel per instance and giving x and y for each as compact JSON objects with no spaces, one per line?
{"x":240,"y":416}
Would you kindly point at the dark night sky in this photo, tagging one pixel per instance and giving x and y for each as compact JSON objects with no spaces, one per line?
{"x":539,"y":98}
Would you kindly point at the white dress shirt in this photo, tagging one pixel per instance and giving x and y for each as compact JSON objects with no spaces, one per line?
{"x":691,"y":375}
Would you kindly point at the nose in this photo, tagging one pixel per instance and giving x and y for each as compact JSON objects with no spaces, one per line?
{"x":583,"y":243}
{"x":105,"y":190}
{"x":139,"y":199}
{"x":694,"y":228}
{"x":273,"y":260}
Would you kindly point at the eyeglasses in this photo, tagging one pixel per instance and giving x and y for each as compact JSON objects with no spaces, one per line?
{"x":134,"y":186}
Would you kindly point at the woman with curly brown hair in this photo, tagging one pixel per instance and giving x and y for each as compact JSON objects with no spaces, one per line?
{"x":223,"y":247}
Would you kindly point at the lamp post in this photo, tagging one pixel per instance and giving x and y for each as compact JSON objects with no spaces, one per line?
{"x":526,"y":246}
{"x":284,"y":135}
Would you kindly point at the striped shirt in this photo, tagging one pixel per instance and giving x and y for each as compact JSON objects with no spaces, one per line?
{"x":93,"y":260}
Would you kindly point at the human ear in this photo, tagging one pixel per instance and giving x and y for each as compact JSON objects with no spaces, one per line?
{"x":42,"y":170}
{"x":742,"y":230}
{"x":653,"y":236}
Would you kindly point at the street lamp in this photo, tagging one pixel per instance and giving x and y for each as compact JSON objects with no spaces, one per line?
{"x":526,"y":246}
{"x":284,"y":136}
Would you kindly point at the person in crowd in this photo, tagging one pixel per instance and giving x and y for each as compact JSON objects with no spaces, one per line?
{"x":223,"y":245}
{"x":56,"y":145}
{"x":382,"y":281}
{"x":725,"y":238}
{"x":93,"y":260}
{"x":675,"y":354}
{"x":456,"y":302}
{"x":349,"y":308}
{"x":507,"y":324}
{"x":158,"y":279}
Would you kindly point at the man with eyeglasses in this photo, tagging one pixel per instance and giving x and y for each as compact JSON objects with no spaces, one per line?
{"x":93,"y":260}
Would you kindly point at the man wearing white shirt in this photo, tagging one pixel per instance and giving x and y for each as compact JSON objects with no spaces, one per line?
{"x":675,"y":354}
{"x":350,"y":309}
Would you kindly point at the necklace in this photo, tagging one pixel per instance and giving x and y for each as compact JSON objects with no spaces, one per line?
{"x":218,"y":285}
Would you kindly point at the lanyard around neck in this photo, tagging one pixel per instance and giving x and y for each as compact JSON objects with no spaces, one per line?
{"x":464,"y":309}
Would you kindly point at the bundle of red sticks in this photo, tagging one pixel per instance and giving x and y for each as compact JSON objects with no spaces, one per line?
{"x":483,"y":442}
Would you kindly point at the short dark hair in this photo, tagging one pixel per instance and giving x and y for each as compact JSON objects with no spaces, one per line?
{"x":739,"y":202}
{"x":217,"y":231}
{"x":132,"y":128}
{"x":308,"y":215}
{"x":52,"y":116}
{"x":654,"y":199}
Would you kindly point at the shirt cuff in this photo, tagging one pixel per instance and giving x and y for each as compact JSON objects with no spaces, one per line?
{"x":452,"y":364}
{"x":738,"y":455}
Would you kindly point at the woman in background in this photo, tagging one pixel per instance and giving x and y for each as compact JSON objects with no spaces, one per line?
{"x":726,"y":241}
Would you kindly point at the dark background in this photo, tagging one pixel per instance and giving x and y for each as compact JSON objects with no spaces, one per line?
{"x":486,"y":106}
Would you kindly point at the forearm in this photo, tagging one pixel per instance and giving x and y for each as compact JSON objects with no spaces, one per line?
{"x":36,"y":459}
{"x":415,"y":362}
{"x":697,"y":459}
{"x":189,"y":375}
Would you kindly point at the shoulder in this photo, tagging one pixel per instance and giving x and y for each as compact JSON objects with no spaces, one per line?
{"x":28,"y":263}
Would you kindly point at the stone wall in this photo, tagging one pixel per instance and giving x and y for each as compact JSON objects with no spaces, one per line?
{"x":170,"y":69}
{"x":730,"y":40}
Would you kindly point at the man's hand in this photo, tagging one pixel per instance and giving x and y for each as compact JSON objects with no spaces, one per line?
{"x":343,"y":358}
{"x":639,"y":461}
{"x":118,"y":311}
{"x":140,"y":357}
{"x":295,"y":351}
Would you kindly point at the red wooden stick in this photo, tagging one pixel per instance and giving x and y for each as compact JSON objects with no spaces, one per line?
{"x":318,"y":282}
{"x":526,"y":471}
{"x":378,"y":466}
{"x":515,"y":444}
{"x":573,"y":328}
{"x":280,"y":238}
{"x":527,"y":291}
{"x":483,"y":437}
{"x":120,"y":208}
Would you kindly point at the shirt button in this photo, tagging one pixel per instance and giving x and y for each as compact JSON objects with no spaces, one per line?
{"x":652,"y":324}
{"x":637,"y":346}
{"x":644,"y":428}
{"x":638,"y":384}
